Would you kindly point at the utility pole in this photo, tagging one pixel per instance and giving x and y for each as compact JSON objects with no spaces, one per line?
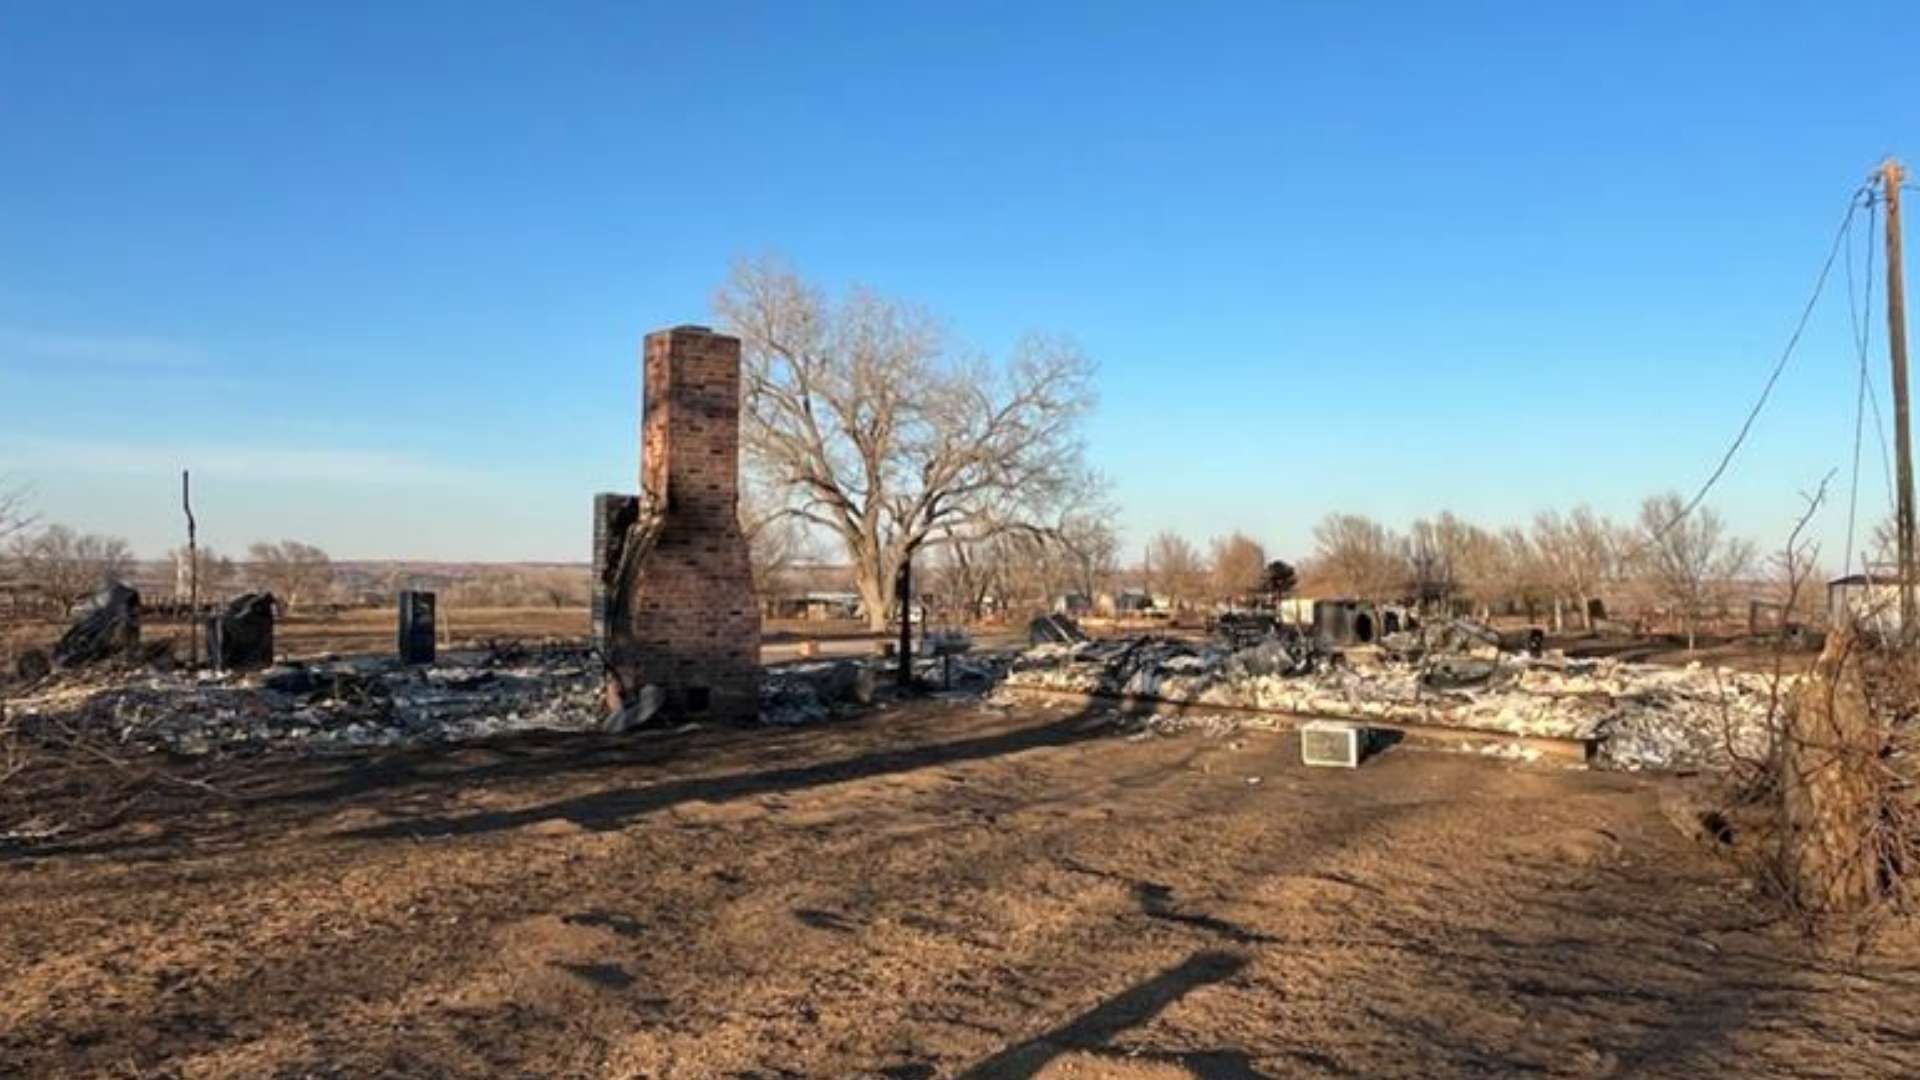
{"x":1891,"y":175}
{"x":193,"y":570}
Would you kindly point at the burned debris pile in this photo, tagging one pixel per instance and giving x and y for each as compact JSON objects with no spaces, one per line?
{"x":1635,"y":715}
{"x":338,"y":703}
{"x":813,"y":692}
{"x":107,"y":627}
{"x":384,"y":701}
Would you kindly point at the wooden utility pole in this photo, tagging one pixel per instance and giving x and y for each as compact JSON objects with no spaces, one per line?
{"x":1891,"y":175}
{"x":193,"y":570}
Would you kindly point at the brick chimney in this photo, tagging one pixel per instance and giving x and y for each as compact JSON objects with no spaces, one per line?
{"x":674,"y":606}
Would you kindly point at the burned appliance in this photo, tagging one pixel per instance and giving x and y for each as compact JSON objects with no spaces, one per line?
{"x":240,"y":638}
{"x":416,"y":632}
{"x":1331,"y":743}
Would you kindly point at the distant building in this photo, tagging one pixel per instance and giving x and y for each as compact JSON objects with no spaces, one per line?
{"x":1296,"y":610}
{"x":817,"y":606}
{"x":1869,"y":599}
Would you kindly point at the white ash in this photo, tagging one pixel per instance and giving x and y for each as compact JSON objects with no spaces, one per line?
{"x":365,"y":702}
{"x":1640,"y":715}
{"x":329,"y":704}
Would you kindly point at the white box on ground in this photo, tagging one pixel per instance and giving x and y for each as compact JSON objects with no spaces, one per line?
{"x":1330,"y":742}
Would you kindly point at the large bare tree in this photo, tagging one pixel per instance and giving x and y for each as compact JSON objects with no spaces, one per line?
{"x":1451,"y":560}
{"x":1689,"y":559}
{"x":294,"y":572}
{"x":1238,"y":565}
{"x":1580,"y":551}
{"x":69,"y":566}
{"x":858,"y":412}
{"x":217,"y":573}
{"x":1360,"y":556}
{"x":1173,"y":568}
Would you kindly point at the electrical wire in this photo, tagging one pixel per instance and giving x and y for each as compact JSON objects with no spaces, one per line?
{"x":1780,"y":365}
{"x":1862,"y":331}
{"x":1873,"y":393}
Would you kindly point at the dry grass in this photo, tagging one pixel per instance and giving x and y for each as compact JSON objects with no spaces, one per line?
{"x":937,"y":890}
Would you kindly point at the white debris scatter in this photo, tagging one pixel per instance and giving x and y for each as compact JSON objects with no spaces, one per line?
{"x":354,"y":702}
{"x":371,"y":701}
{"x":1638,"y":715}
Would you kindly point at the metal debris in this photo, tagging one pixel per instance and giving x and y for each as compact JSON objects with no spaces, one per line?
{"x":1055,"y":630}
{"x":240,"y":638}
{"x":108,"y":627}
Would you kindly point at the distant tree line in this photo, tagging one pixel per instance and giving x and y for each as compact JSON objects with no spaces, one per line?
{"x":1561,"y":568}
{"x":1559,"y":564}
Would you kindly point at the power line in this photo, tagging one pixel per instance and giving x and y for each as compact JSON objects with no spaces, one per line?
{"x":1806,"y":313}
{"x":1862,"y":331}
{"x":1886,"y":453}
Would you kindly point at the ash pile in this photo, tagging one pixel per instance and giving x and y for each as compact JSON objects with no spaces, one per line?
{"x":1458,"y":675}
{"x":382,"y":702}
{"x":816,"y":692}
{"x":356,"y":702}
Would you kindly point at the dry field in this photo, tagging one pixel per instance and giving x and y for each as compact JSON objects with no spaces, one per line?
{"x":372,"y":630}
{"x":940,"y":889}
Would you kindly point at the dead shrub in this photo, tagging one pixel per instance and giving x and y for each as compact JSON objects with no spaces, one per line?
{"x":1848,"y":827}
{"x":62,"y":777}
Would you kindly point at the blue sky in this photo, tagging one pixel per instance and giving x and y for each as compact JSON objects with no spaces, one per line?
{"x":377,"y":273}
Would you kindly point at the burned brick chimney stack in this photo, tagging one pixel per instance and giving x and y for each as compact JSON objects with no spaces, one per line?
{"x":674,"y":607}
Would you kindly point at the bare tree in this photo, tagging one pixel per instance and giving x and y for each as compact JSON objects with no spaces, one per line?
{"x":68,"y":566}
{"x":776,"y":539}
{"x":1172,"y":567}
{"x":217,"y":572}
{"x":1579,"y":552}
{"x":16,"y":514}
{"x":1092,"y":549}
{"x":856,"y":410}
{"x":1360,"y":556}
{"x":1238,"y":565}
{"x":1689,"y":558}
{"x":1433,"y":562}
{"x":1482,"y":567}
{"x":960,"y":578}
{"x":1030,"y":573}
{"x":1529,"y":579}
{"x":294,"y":572}
{"x":1450,"y":560}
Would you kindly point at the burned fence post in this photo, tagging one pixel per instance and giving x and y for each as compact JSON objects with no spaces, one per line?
{"x":416,"y":641}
